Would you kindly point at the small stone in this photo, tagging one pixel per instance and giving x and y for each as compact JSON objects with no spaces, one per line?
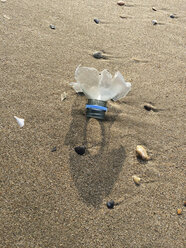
{"x":148,"y":107}
{"x":52,"y":26}
{"x":172,"y":16}
{"x":98,"y":55}
{"x":179,"y":211}
{"x":97,"y":21}
{"x":142,"y":153}
{"x":54,"y":149}
{"x":80,"y":150}
{"x":154,"y":22}
{"x":154,"y":9}
{"x":136,"y":179}
{"x":120,"y":3}
{"x":184,"y":203}
{"x":110,"y":204}
{"x":3,"y":1}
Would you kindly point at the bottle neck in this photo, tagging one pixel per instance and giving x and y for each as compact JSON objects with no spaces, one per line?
{"x":96,"y":109}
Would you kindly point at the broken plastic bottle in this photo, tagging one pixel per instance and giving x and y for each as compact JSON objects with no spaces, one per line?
{"x":99,"y":88}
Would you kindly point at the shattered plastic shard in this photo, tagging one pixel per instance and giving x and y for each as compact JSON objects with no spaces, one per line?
{"x":76,"y":87}
{"x":123,"y":87}
{"x":100,"y":86}
{"x":20,"y":121}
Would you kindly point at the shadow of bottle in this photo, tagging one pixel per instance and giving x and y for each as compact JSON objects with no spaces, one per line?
{"x":93,"y":175}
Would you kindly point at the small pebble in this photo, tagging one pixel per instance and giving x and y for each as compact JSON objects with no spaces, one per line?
{"x":148,"y":107}
{"x":136,"y":180}
{"x":3,"y":1}
{"x":120,"y":3}
{"x":80,"y":150}
{"x":154,"y":9}
{"x":142,"y":153}
{"x":52,"y":26}
{"x":98,"y":55}
{"x":179,"y":211}
{"x":154,"y":22}
{"x":54,"y":149}
{"x":110,"y":204}
{"x":172,"y":16}
{"x":97,"y":21}
{"x":184,"y":203}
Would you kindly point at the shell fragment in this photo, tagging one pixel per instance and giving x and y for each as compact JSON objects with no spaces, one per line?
{"x":136,"y":179}
{"x":63,"y":96}
{"x":20,"y":121}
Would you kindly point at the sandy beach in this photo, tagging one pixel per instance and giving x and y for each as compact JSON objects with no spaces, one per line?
{"x":51,"y":197}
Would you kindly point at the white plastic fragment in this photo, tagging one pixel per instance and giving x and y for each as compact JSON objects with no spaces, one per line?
{"x":100,"y":86}
{"x":76,"y":87}
{"x":20,"y":121}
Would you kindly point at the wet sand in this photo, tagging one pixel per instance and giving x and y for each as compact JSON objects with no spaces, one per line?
{"x":58,"y":199}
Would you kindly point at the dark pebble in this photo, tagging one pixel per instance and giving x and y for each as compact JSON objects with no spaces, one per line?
{"x":123,"y":17}
{"x":172,"y":16}
{"x":110,"y":204}
{"x":120,"y":3}
{"x":98,"y":55}
{"x":154,"y":22}
{"x":54,"y":149}
{"x":154,"y":9}
{"x":52,"y":26}
{"x":148,"y":107}
{"x":97,"y":21}
{"x":80,"y":150}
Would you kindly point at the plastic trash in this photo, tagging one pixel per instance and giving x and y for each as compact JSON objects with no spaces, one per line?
{"x":99,"y":88}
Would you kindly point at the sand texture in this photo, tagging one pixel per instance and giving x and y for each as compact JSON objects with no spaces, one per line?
{"x":58,"y":199}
